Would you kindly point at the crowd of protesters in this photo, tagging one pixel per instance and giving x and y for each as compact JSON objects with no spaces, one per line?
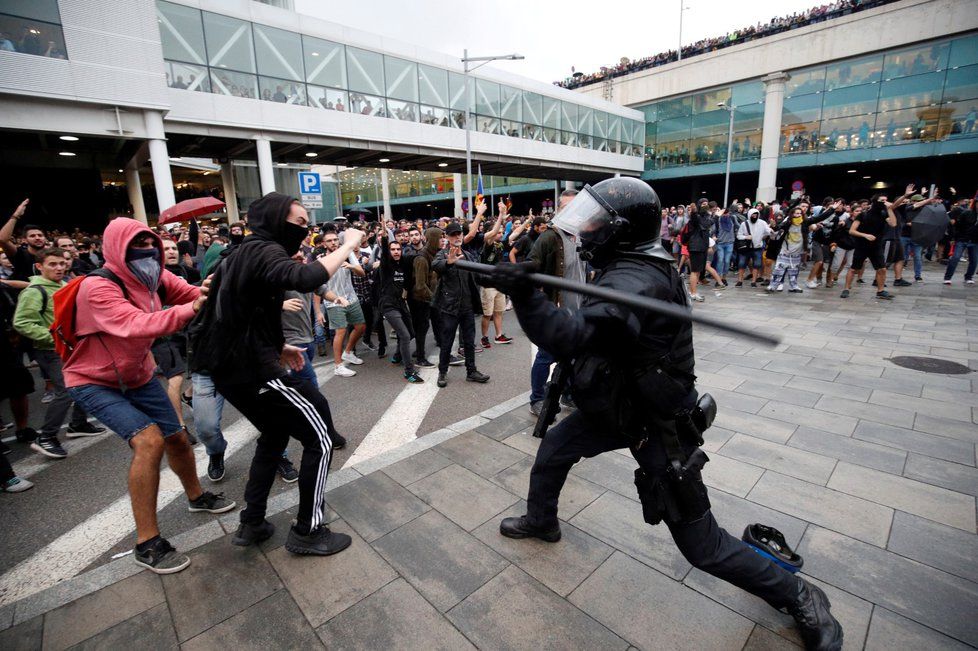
{"x":734,"y":37}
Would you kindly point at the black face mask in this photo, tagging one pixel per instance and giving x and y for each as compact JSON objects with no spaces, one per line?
{"x":293,"y":237}
{"x":237,"y":238}
{"x":753,"y":219}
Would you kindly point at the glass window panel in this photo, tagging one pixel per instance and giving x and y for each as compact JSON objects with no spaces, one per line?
{"x":181,"y":33}
{"x":367,"y":104}
{"x":650,"y":133}
{"x":511,"y":103}
{"x":510,"y":128}
{"x":805,"y":82}
{"x":708,"y":149}
{"x":959,"y":120}
{"x":32,"y":37}
{"x":804,"y":108}
{"x":705,"y":102}
{"x":916,"y":61}
{"x":747,"y":145}
{"x":964,"y":52}
{"x":585,"y":141}
{"x":673,"y":129}
{"x":282,"y":91}
{"x":400,"y":110}
{"x":486,"y":98}
{"x":614,"y":127}
{"x":531,"y":132}
{"x":279,"y":53}
{"x":568,"y":116}
{"x":551,"y":112}
{"x":457,"y":119}
{"x":331,"y":99}
{"x":433,"y":85}
{"x":456,"y":87}
{"x":568,"y":138}
{"x":187,"y":77}
{"x":236,"y":84}
{"x":600,"y":124}
{"x":402,"y":80}
{"x":853,"y":73}
{"x":907,"y":92}
{"x":46,"y":10}
{"x":600,"y":144}
{"x":585,"y":121}
{"x":672,"y":154}
{"x":799,"y":138}
{"x":749,"y":93}
{"x":325,"y":62}
{"x":651,"y":112}
{"x":750,"y":116}
{"x":853,"y":132}
{"x":672,"y":108}
{"x":365,"y":71}
{"x":550,"y":135}
{"x":961,"y":84}
{"x":709,"y":124}
{"x":229,"y":42}
{"x":846,"y":102}
{"x":908,"y":125}
{"x":532,"y":108}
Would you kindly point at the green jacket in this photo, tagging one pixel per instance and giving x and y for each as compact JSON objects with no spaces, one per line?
{"x":35,"y":314}
{"x":211,"y":258}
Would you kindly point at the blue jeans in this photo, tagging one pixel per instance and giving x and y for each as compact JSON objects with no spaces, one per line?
{"x":539,"y":373}
{"x":129,"y":412}
{"x":960,"y":247}
{"x":208,"y":409}
{"x":308,"y":372}
{"x":753,"y":257}
{"x":724,"y":251}
{"x":909,"y":248}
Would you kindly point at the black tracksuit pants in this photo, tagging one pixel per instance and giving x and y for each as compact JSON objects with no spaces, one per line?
{"x":420,"y":317}
{"x":704,"y":544}
{"x":465,"y":325}
{"x":287,"y":406}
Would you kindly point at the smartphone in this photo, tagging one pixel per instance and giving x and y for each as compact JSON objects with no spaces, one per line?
{"x":933,"y":189}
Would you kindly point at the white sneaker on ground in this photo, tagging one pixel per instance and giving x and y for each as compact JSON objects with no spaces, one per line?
{"x":947,"y":282}
{"x":697,"y":298}
{"x":351,"y":358}
{"x":969,"y":282}
{"x":343,"y":371}
{"x":780,"y":287}
{"x":812,"y":284}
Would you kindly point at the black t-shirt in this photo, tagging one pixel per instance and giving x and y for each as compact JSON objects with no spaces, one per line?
{"x":475,"y":244}
{"x":871,"y":223}
{"x":523,"y":246}
{"x":491,"y":253}
{"x":23,"y":262}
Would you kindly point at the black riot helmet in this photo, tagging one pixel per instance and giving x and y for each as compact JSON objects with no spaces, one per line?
{"x":620,"y":215}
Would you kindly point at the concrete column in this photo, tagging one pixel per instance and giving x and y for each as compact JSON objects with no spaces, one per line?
{"x":385,"y":190}
{"x":160,"y":160}
{"x":771,"y":135}
{"x":457,"y":184}
{"x":135,"y":190}
{"x":230,"y":191}
{"x":266,"y":176}
{"x":570,"y":185}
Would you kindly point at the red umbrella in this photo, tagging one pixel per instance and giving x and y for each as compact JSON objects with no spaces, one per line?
{"x":186,"y":210}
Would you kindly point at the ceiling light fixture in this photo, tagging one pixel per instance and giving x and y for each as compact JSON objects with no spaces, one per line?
{"x":385,"y":160}
{"x":68,"y":138}
{"x":66,"y":153}
{"x":442,"y":164}
{"x":850,"y":171}
{"x":311,"y":154}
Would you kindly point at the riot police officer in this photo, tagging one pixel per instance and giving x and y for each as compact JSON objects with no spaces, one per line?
{"x":632,"y":380}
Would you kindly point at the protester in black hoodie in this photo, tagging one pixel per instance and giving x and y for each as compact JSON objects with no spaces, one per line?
{"x":238,"y":341}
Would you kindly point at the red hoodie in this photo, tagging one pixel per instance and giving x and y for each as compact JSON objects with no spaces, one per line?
{"x":123,"y":330}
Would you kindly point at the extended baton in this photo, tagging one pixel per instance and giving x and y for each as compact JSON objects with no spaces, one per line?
{"x":636,"y":301}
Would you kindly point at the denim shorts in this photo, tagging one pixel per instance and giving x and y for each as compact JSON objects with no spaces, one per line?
{"x":129,"y":413}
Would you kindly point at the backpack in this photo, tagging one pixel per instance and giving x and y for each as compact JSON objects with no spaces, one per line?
{"x":63,"y":327}
{"x":684,"y":234}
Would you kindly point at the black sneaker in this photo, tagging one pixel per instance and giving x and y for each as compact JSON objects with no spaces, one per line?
{"x":211,"y":503}
{"x":535,"y":408}
{"x":739,"y":283}
{"x":476,"y":376}
{"x":381,"y":351}
{"x":49,"y":447}
{"x":753,"y":284}
{"x":286,"y":470}
{"x":161,"y":558}
{"x":215,"y":467}
{"x":900,"y":282}
{"x":4,"y":448}
{"x":519,"y":528}
{"x":442,"y":381}
{"x":26,"y":435}
{"x":860,"y":281}
{"x":396,"y":359}
{"x":918,"y":279}
{"x":84,"y":430}
{"x":844,"y":294}
{"x":884,"y":295}
{"x":503,"y":339}
{"x":319,"y":542}
{"x":811,"y":611}
{"x":250,"y":534}
{"x":339,"y":441}
{"x":486,"y":343}
{"x":456,"y":360}
{"x":796,"y":290}
{"x":414,"y":378}
{"x":725,"y":283}
{"x":424,"y":363}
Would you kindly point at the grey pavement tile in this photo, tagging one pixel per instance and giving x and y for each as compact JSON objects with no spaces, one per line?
{"x":417,"y":466}
{"x":653,"y":612}
{"x":953,"y":476}
{"x":866,"y":411}
{"x":524,"y":441}
{"x":400,"y":452}
{"x":762,"y":639}
{"x":375,"y":505}
{"x":735,"y":513}
{"x":888,"y":631}
{"x":92,"y":614}
{"x":151,"y":629}
{"x":282,"y":521}
{"x":741,"y":401}
{"x":715,"y":437}
{"x":395,"y":617}
{"x":831,"y":509}
{"x":617,"y":521}
{"x":560,"y":566}
{"x":25,"y":636}
{"x":242,"y":573}
{"x":932,"y":380}
{"x":930,"y":445}
{"x":443,"y":562}
{"x":931,"y":502}
{"x":908,"y":386}
{"x":931,"y":597}
{"x":614,"y":471}
{"x":845,"y":448}
{"x":756,"y":360}
{"x":947,"y":428}
{"x":514,"y":406}
{"x":323,"y":586}
{"x":506,"y":425}
{"x":820,"y":352}
{"x":6,"y":616}
{"x":789,"y":394}
{"x":766,"y":428}
{"x":709,"y":366}
{"x":757,"y":374}
{"x":273,"y":623}
{"x":714,"y":381}
{"x":731,"y":476}
{"x":468,"y":424}
{"x":480,"y":454}
{"x":798,"y":463}
{"x":943,"y":394}
{"x":829,"y":389}
{"x":575,"y":495}
{"x":813,"y":369}
{"x":514,"y":611}
{"x":463,"y":496}
{"x":937,"y":545}
{"x":925,"y":405}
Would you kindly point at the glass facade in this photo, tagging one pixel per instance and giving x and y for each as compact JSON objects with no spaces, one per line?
{"x":210,"y":52}
{"x":365,"y":183}
{"x":32,"y":27}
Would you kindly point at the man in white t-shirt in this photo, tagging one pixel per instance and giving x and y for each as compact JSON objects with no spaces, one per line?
{"x":342,"y":309}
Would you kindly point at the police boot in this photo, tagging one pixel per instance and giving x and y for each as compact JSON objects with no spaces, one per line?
{"x":521,"y":528}
{"x":820,"y":631}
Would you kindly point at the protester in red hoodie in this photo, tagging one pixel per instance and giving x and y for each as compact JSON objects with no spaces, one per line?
{"x":110,"y":373}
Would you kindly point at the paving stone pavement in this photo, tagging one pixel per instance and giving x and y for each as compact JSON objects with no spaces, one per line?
{"x":868,"y":468}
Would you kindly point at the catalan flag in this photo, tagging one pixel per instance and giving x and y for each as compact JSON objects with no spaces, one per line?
{"x":479,"y":192}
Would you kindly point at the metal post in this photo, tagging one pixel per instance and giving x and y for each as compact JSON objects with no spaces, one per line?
{"x":682,"y":9}
{"x":468,"y":141}
{"x":726,"y":180}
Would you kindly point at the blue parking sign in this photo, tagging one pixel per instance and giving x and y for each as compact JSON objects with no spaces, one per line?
{"x":310,"y":183}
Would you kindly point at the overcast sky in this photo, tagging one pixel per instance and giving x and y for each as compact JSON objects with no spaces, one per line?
{"x":553,"y":36}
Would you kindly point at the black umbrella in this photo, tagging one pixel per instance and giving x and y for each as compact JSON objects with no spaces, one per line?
{"x":929,"y":225}
{"x":361,"y":214}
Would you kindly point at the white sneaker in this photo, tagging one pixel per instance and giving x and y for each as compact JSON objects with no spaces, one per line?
{"x":812,"y":284}
{"x":16,"y":485}
{"x":780,"y":287}
{"x":697,"y":298}
{"x":969,"y":282}
{"x":947,"y":282}
{"x":352,"y":358}
{"x":343,"y":371}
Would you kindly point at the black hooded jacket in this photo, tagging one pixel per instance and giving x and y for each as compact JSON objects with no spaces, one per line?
{"x":237,"y":336}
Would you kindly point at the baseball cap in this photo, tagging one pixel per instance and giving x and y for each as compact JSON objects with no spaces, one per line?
{"x":453,"y":229}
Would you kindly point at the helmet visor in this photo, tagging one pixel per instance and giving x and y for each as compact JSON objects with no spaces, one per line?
{"x":586,"y":216}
